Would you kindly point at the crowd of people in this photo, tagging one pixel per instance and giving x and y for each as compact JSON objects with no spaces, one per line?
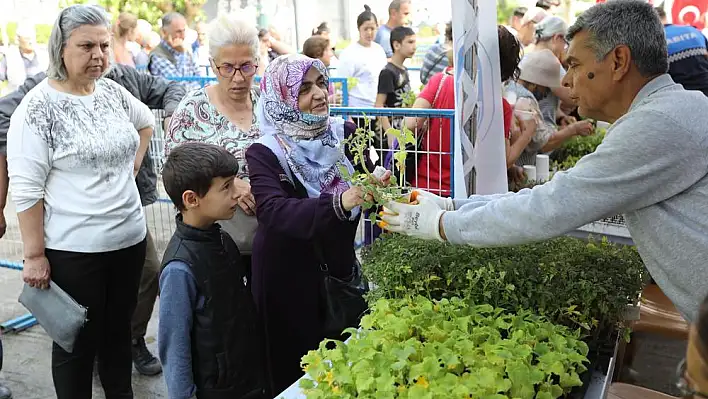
{"x":255,"y":173}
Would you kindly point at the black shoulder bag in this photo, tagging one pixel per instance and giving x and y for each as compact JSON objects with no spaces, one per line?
{"x":342,"y":300}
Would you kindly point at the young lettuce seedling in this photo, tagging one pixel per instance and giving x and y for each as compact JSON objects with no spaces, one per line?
{"x":359,"y":144}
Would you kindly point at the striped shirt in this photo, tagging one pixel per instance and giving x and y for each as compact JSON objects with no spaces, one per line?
{"x":435,"y":61}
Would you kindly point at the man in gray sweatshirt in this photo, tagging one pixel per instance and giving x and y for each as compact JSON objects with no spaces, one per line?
{"x":652,"y":166}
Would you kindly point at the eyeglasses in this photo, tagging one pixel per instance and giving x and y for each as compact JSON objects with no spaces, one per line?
{"x":228,"y":71}
{"x":683,"y":385}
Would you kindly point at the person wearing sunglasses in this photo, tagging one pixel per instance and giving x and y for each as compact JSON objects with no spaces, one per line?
{"x":223,"y":113}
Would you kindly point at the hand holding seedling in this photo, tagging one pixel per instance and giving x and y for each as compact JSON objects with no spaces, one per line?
{"x":379,"y":187}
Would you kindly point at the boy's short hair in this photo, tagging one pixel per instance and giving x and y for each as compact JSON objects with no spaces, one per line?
{"x":193,"y":166}
{"x":399,"y":34}
{"x":315,"y":46}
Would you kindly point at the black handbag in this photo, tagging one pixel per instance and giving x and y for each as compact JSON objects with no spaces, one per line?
{"x":342,"y":300}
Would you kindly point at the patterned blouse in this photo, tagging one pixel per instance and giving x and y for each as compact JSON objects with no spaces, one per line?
{"x":196,"y":119}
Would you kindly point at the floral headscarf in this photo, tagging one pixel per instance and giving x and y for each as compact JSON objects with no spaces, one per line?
{"x":311,"y":144}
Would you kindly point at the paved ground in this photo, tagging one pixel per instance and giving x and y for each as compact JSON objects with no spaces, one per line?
{"x":26,"y":369}
{"x":27,"y":372}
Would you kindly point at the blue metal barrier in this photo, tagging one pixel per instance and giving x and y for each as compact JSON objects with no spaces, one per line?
{"x":11,"y":265}
{"x":161,"y":214}
{"x":18,"y":324}
{"x":407,"y":112}
{"x":404,"y":112}
{"x":203,"y":81}
{"x":417,"y":69}
{"x":369,"y":232}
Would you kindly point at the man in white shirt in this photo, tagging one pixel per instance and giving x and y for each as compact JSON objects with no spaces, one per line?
{"x":22,"y":60}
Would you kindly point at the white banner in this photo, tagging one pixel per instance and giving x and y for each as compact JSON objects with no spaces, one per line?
{"x":490,"y":153}
{"x":479,"y":168}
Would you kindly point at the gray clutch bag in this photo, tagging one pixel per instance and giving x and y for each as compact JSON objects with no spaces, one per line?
{"x":57,"y":312}
{"x":241,"y":228}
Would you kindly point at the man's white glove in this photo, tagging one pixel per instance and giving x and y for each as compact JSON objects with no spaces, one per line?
{"x":444,"y":203}
{"x":421,"y":220}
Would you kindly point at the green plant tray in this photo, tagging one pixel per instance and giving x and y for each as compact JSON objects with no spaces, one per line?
{"x":596,"y":380}
{"x":602,"y":355}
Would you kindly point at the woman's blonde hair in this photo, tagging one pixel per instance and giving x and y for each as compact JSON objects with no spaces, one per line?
{"x":315,"y":46}
{"x":125,"y":23}
{"x":231,"y":29}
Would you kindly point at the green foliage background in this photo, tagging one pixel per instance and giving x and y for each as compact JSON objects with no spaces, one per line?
{"x":149,"y":10}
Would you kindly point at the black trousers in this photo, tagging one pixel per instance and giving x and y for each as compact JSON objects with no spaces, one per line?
{"x":107,"y":284}
{"x":147,"y":293}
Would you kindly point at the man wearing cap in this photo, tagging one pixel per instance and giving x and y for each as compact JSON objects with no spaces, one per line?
{"x":688,"y":54}
{"x":651,"y":167}
{"x":540,"y":74}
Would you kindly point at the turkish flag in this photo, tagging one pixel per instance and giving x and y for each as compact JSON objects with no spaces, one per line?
{"x":690,"y":12}
{"x":685,"y":12}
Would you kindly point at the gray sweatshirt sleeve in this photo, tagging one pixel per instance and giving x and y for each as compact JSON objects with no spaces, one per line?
{"x":645,"y":158}
{"x":477,"y":199}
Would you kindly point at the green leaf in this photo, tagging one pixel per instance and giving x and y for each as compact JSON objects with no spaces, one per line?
{"x":365,"y":382}
{"x":545,"y":395}
{"x":569,"y":380}
{"x":306,"y":383}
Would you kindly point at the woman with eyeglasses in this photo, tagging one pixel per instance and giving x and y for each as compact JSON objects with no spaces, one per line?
{"x":223,"y":113}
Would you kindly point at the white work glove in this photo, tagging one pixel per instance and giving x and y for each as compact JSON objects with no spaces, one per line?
{"x":379,"y":172}
{"x":421,"y":220}
{"x":444,"y":203}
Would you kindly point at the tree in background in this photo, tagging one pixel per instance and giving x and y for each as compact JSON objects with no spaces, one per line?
{"x":149,"y":10}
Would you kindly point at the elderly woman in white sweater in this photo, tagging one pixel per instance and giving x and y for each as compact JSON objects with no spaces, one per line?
{"x":74,"y":146}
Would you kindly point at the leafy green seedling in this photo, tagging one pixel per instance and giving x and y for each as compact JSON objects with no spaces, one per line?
{"x":414,"y":347}
{"x":359,"y":145}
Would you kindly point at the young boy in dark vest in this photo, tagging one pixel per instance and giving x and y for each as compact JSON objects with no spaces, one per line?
{"x":209,"y":338}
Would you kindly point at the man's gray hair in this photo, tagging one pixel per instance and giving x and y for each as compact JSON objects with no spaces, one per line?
{"x":168,"y":18}
{"x":70,"y":19}
{"x":632,"y":23}
{"x":396,"y":5}
{"x":227,"y":30}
